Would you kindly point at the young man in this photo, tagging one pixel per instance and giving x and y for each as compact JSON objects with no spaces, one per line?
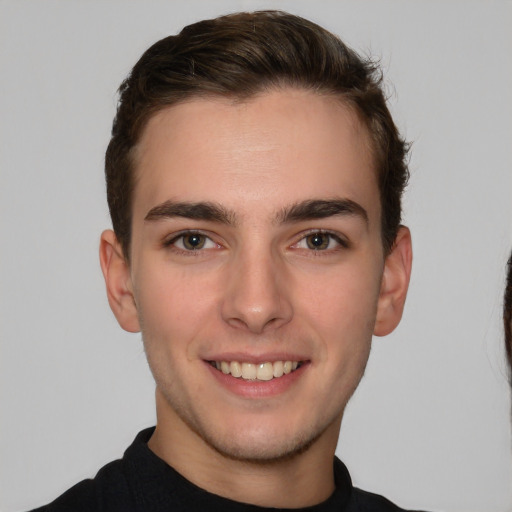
{"x":254,"y":179}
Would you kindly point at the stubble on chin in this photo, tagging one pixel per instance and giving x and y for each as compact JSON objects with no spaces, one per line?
{"x":245,"y":449}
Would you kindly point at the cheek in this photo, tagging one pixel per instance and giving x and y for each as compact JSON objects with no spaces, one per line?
{"x":345,"y":299}
{"x":173,"y":306}
{"x":341,"y":311}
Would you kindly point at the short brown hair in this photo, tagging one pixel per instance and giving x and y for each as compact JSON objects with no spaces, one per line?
{"x":238,"y":56}
{"x":507,"y":316}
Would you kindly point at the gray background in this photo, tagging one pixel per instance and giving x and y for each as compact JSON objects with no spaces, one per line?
{"x":430,"y":425}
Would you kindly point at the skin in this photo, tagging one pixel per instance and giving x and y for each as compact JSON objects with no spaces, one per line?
{"x":258,"y":290}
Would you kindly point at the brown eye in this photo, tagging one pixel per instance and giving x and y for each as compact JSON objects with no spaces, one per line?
{"x":193,"y":241}
{"x":321,"y":241}
{"x":318,"y":241}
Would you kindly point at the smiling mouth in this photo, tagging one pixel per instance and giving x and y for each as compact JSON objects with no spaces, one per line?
{"x":260,"y":371}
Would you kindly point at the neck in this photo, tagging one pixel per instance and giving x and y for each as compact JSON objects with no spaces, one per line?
{"x":300,"y":480}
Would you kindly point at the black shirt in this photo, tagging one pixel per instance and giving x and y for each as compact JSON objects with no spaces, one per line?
{"x":142,"y":482}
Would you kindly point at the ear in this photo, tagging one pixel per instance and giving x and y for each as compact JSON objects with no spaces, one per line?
{"x":116,"y":272}
{"x":394,"y":284}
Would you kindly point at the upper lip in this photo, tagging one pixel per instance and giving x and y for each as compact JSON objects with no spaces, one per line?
{"x":269,"y":357}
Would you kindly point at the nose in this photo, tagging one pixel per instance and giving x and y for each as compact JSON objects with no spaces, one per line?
{"x":256,"y":297}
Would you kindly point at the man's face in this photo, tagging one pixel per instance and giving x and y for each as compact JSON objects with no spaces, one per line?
{"x":256,"y":247}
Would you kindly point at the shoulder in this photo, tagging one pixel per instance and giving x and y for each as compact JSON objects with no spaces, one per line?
{"x":109,"y":490}
{"x":364,"y":501}
{"x":116,"y":486}
{"x":358,"y":500}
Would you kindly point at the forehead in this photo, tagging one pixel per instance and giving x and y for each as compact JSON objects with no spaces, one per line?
{"x":284,"y":145}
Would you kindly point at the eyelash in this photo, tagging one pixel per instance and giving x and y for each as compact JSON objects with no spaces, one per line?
{"x":171,"y":242}
{"x":342,"y":243}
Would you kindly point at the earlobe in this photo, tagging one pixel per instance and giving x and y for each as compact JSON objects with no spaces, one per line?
{"x":395,"y":283}
{"x":116,"y":272}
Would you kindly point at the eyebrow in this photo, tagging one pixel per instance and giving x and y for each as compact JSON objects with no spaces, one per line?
{"x":197,"y":211}
{"x":321,"y":209}
{"x":304,"y":210}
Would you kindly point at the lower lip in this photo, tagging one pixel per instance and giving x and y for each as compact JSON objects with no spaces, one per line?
{"x":257,"y":388}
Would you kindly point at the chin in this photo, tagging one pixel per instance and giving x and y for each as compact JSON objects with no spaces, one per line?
{"x":261,"y":446}
{"x":262,"y":453}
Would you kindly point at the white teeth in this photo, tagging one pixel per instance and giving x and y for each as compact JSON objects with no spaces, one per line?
{"x":265,"y":371}
{"x":278,"y":369}
{"x":249,"y":371}
{"x":261,"y":371}
{"x":236,"y":369}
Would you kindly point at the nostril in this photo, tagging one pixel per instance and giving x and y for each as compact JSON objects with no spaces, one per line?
{"x":236,"y":322}
{"x":254,"y":298}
